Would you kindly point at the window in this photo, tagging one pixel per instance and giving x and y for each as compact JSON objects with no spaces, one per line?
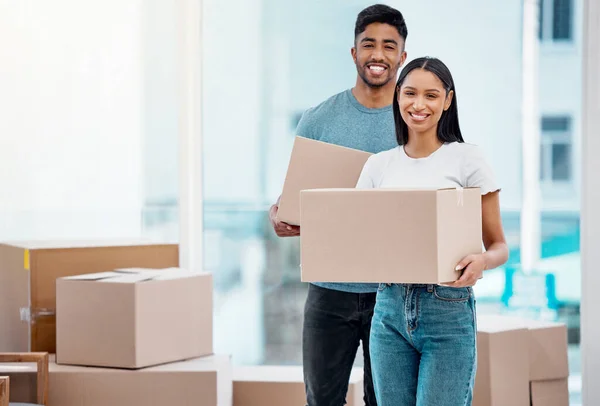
{"x":556,"y":150}
{"x":556,"y":20}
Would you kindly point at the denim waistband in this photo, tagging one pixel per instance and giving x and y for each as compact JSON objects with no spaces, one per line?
{"x":412,"y":285}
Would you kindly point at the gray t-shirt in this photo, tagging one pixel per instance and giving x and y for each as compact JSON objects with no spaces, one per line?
{"x":342,"y":120}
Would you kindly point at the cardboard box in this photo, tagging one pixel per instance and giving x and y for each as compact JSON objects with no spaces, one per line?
{"x":502,"y":363}
{"x":202,"y":381}
{"x":388,"y":235}
{"x":133,"y":318}
{"x":28,"y":273}
{"x":550,"y":393}
{"x":315,"y":165}
{"x":282,"y":385}
{"x":548,"y":353}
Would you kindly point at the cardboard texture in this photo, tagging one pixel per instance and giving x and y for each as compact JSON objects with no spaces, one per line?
{"x":550,"y":393}
{"x":28,"y":273}
{"x":549,"y":357}
{"x":502,"y":363}
{"x":548,"y":345}
{"x":205,"y":381}
{"x":23,"y":381}
{"x":316,"y":165}
{"x":282,"y":385}
{"x":388,"y":235}
{"x":133,"y":318}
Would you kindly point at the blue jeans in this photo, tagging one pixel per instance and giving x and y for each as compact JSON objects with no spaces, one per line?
{"x":335,"y":323}
{"x":424,"y":345}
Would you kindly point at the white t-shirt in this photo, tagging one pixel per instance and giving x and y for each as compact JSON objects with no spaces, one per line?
{"x":452,"y":165}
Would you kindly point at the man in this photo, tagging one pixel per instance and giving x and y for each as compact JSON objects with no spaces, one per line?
{"x":337,"y":316}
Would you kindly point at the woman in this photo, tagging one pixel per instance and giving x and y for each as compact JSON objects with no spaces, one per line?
{"x":423,"y":337}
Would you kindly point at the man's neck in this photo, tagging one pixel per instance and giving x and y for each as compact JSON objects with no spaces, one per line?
{"x":373,"y":97}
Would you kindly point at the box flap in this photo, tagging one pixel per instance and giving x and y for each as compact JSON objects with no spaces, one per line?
{"x":91,"y":276}
{"x":135,"y":275}
{"x":65,"y":244}
{"x":382,"y":189}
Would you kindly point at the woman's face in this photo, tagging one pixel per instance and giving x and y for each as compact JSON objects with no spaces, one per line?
{"x":422,"y":100}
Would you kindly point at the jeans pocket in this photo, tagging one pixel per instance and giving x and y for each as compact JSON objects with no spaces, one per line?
{"x":449,"y":294}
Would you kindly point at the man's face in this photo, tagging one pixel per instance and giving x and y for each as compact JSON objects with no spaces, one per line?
{"x":378,"y":54}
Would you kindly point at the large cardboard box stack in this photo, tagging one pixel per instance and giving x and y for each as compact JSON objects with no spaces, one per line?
{"x":549,"y":363}
{"x":521,"y":362}
{"x":283,"y":385}
{"x":28,"y":273}
{"x":388,"y":235}
{"x":132,"y":327}
{"x":315,"y":165}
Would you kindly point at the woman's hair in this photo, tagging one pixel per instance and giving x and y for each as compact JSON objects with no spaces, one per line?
{"x":448,"y":129}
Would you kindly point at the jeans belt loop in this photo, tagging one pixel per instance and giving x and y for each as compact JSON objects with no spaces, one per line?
{"x":429,"y":288}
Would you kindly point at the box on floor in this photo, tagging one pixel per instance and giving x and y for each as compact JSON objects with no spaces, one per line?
{"x":282,"y":385}
{"x":553,"y":392}
{"x":205,"y":381}
{"x":520,"y":361}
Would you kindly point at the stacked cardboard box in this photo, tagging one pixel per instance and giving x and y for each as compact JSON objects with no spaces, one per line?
{"x":28,"y":273}
{"x":549,"y":363}
{"x":143,"y":333}
{"x":521,"y":362}
{"x":133,"y":318}
{"x":133,"y":328}
{"x":204,"y":381}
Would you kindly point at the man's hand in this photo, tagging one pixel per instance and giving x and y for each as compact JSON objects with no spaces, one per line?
{"x":282,"y":229}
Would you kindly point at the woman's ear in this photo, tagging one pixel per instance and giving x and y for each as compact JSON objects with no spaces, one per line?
{"x":448,"y":101}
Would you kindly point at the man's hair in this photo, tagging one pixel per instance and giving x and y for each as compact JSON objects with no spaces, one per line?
{"x":380,"y":13}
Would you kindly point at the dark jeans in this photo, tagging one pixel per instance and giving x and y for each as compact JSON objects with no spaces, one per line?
{"x":334,"y":324}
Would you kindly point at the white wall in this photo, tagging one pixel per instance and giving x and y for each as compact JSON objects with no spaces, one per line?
{"x":71,"y":128}
{"x":161,"y":107}
{"x":590,"y":215}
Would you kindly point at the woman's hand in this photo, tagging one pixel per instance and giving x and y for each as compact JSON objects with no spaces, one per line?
{"x":473,"y":267}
